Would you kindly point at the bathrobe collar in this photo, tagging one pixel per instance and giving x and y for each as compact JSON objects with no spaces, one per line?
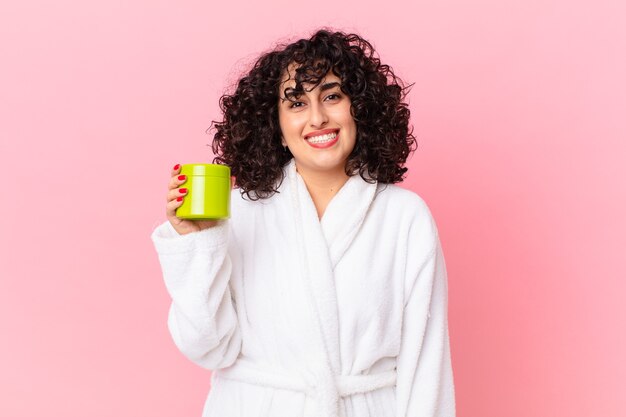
{"x":344,"y":214}
{"x":319,"y":247}
{"x":322,"y":244}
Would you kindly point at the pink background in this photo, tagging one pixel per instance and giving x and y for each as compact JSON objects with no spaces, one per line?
{"x":519,"y":109}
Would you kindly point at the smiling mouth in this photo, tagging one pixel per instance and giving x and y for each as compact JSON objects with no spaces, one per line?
{"x":322,"y":139}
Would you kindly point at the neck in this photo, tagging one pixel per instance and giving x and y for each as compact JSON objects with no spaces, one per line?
{"x":322,"y":186}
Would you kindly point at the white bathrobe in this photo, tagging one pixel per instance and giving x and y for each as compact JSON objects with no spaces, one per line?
{"x":296,"y":316}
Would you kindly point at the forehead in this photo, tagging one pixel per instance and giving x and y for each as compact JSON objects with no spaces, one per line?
{"x":288,"y":78}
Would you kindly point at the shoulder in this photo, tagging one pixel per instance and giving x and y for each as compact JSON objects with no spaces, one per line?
{"x":245,"y":209}
{"x":407,"y":210}
{"x":401,"y":201}
{"x":241,"y":201}
{"x":247,"y":215}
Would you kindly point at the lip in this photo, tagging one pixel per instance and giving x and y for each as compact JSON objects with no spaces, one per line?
{"x":320,"y":132}
{"x":323,"y":145}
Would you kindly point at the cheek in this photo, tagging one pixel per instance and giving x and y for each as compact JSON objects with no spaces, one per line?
{"x":290,"y":124}
{"x":349,"y":124}
{"x":281,"y":120}
{"x":345,"y":116}
{"x":285,"y":127}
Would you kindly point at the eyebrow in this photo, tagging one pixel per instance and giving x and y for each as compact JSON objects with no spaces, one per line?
{"x":293,"y":93}
{"x":328,"y":86}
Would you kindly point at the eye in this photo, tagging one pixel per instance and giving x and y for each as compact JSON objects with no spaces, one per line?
{"x":295,"y":104}
{"x":333,"y":96}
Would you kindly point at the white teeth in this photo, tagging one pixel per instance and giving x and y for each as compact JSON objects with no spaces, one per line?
{"x":322,"y":138}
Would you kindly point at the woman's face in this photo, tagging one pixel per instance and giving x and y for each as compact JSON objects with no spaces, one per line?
{"x":317,"y":126}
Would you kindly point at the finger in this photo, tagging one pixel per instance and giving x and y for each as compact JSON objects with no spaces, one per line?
{"x":176,"y":181}
{"x":170,"y":208}
{"x":175,"y":193}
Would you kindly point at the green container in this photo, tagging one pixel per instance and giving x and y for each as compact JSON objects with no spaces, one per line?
{"x":208,"y":192}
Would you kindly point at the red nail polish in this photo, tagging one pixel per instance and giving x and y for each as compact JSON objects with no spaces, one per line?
{"x":176,"y":167}
{"x":179,"y":199}
{"x":182,"y":190}
{"x":181,"y":177}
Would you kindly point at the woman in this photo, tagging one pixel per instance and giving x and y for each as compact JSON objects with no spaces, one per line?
{"x":325,"y":293}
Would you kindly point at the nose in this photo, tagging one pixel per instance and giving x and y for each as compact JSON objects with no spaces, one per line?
{"x":317,"y":116}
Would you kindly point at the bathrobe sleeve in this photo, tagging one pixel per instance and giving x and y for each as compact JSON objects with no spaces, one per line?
{"x":197,"y":268}
{"x":425,"y":386}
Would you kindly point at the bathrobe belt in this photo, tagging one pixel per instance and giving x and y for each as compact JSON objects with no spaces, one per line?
{"x":326,"y":391}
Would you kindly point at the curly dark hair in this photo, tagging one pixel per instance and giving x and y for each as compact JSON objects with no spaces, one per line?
{"x":249,"y":137}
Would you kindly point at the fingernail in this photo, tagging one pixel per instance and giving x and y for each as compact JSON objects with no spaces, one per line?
{"x":182,"y":177}
{"x":176,"y":167}
{"x":182,"y":190}
{"x":179,"y":199}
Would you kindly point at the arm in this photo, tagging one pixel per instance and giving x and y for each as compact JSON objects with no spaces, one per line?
{"x":196,"y":269}
{"x":425,"y":385}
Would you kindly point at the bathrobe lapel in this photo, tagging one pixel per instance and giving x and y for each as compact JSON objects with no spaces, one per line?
{"x":322,"y":245}
{"x":344,"y":215}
